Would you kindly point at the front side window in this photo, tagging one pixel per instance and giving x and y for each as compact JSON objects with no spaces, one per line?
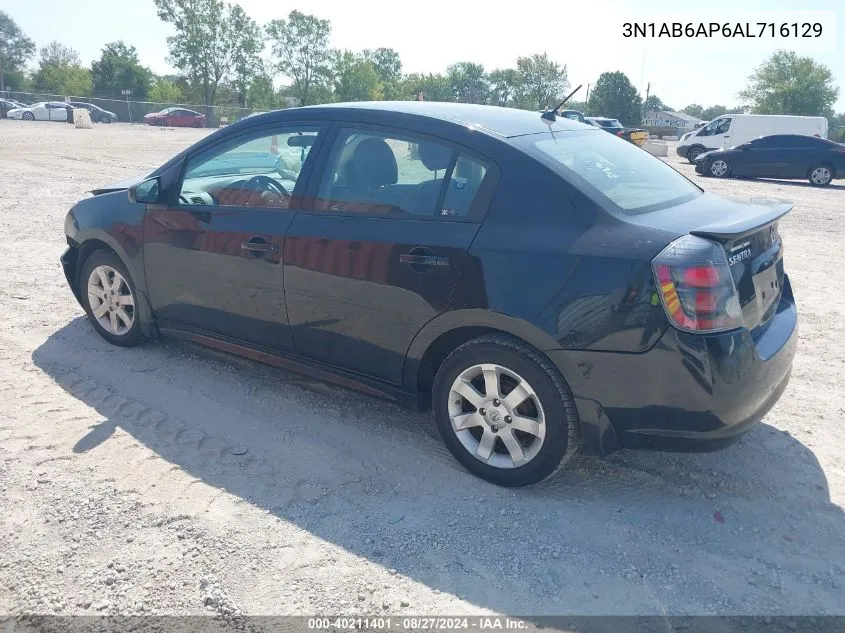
{"x":257,"y":171}
{"x":719,"y":126}
{"x":616,"y":171}
{"x":378,"y":173}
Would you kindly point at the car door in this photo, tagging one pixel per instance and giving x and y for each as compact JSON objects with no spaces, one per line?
{"x":213,"y":255}
{"x":800,"y":154}
{"x":763,"y":158}
{"x":57,"y":111}
{"x":378,"y":251}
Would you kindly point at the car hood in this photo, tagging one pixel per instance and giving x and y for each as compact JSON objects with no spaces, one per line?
{"x":121,"y":185}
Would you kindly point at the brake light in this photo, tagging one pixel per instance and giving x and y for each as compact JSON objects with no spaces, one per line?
{"x":696,"y":287}
{"x":620,"y":133}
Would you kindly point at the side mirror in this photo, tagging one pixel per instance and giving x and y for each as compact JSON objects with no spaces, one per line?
{"x":147,"y":192}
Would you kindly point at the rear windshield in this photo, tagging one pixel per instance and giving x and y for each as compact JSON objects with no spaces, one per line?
{"x":613,"y":170}
{"x":608,"y":123}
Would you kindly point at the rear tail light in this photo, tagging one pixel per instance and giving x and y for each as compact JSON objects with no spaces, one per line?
{"x":696,"y":287}
{"x":619,"y":133}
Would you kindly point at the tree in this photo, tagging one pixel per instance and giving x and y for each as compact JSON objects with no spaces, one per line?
{"x":260,"y":95}
{"x":15,"y":50}
{"x":120,"y":69}
{"x":301,"y":46}
{"x":788,"y":84}
{"x":432,"y":87}
{"x":247,"y":42}
{"x":468,"y":82}
{"x":60,"y":72}
{"x":694,"y":110}
{"x":504,"y":86}
{"x":654,"y":103}
{"x":164,"y":91}
{"x":542,"y":81}
{"x":356,"y":78}
{"x":202,"y":45}
{"x":388,"y":65}
{"x":614,"y":96}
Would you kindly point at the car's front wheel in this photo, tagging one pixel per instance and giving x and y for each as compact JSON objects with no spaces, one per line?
{"x":105,"y":119}
{"x":719,"y":168}
{"x":110,"y":299}
{"x":28,"y":116}
{"x":694,"y":152}
{"x":504,"y":411}
{"x":820,"y":175}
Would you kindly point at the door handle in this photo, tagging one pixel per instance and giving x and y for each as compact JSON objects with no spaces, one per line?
{"x":259,"y":245}
{"x":423,"y":259}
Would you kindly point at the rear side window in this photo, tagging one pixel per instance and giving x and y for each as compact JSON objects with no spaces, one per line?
{"x":630,"y":179}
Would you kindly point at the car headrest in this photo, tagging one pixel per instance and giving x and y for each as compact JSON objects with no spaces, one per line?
{"x":434,"y":157}
{"x":373,"y":164}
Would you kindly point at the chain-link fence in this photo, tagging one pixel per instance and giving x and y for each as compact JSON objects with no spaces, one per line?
{"x":131,"y":111}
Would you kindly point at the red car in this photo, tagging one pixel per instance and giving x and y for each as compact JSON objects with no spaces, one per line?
{"x":176,"y":117}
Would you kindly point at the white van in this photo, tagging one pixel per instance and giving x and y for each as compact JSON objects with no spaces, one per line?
{"x":732,"y":130}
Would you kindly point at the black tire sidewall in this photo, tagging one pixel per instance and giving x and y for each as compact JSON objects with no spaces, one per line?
{"x":99,"y":258}
{"x":813,"y":168}
{"x":694,"y":153}
{"x":557,"y":424}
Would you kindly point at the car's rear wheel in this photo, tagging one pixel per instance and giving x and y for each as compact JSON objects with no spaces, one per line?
{"x":694,"y":152}
{"x":110,"y":299}
{"x":719,"y":168}
{"x":28,"y":116}
{"x":504,"y":411}
{"x":820,"y":175}
{"x":105,"y":119}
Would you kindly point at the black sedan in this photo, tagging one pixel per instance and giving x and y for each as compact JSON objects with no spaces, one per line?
{"x":98,"y":114}
{"x":539,"y":285}
{"x":787,"y":156}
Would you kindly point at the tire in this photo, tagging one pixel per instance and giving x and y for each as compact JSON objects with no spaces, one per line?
{"x":693,"y":153}
{"x":548,"y":410}
{"x":98,"y":274}
{"x":105,"y":119}
{"x":28,"y":116}
{"x":820,"y":175}
{"x":719,"y":168}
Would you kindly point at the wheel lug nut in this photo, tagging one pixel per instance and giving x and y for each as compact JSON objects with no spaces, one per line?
{"x":496,"y":403}
{"x":508,"y":419}
{"x":495,"y":429}
{"x":482,"y":411}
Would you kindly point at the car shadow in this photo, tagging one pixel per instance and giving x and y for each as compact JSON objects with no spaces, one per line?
{"x":375,"y":480}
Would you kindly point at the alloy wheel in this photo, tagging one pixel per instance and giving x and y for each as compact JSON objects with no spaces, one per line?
{"x":719,"y":168}
{"x":497,"y":416}
{"x":820,"y":176}
{"x":111,"y":300}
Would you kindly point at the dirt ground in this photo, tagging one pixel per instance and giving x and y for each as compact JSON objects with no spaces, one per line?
{"x":167,"y":479}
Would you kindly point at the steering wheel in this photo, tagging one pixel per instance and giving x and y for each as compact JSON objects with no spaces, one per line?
{"x":269,"y":189}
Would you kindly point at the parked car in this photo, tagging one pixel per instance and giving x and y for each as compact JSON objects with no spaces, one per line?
{"x":98,"y":114}
{"x":780,"y":156}
{"x":9,"y":104}
{"x":635,"y":135}
{"x":573,"y":115}
{"x":733,"y":130}
{"x":176,"y":117}
{"x":41,"y":111}
{"x":537,"y":284}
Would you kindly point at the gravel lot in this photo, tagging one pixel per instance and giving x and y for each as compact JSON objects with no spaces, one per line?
{"x":172,"y":480}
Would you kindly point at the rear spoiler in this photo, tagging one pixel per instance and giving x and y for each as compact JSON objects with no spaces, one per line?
{"x":761,"y":213}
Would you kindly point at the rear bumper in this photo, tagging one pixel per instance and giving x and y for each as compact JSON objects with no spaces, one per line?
{"x":689,"y":392}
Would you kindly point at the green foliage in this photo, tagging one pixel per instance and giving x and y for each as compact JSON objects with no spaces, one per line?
{"x":542,"y":81}
{"x":202,"y":46}
{"x":614,"y":96}
{"x":388,"y":65}
{"x":788,"y":84}
{"x":301,"y":48}
{"x":432,"y":87}
{"x":505,"y":85}
{"x":246,"y":44}
{"x":60,"y":72}
{"x":654,"y":103}
{"x":356,"y":78}
{"x":260,"y":95}
{"x":164,"y":91}
{"x":468,"y":82}
{"x":118,"y":69}
{"x":15,"y":50}
{"x":694,"y":110}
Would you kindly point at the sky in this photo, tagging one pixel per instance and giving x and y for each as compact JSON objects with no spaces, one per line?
{"x":429,"y":35}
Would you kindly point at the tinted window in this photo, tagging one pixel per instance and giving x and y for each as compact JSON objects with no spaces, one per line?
{"x":719,"y":126}
{"x":376,"y":173}
{"x":257,"y":171}
{"x":616,"y":171}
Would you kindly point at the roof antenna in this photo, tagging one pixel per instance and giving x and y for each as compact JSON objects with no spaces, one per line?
{"x":550,"y":115}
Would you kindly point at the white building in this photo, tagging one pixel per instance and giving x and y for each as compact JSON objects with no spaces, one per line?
{"x":669,"y":119}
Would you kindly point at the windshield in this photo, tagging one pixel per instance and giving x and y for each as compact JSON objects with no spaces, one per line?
{"x":608,"y":123}
{"x":616,"y":171}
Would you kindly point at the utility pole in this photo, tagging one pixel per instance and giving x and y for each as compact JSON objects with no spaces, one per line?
{"x":587,"y":99}
{"x":126,"y":92}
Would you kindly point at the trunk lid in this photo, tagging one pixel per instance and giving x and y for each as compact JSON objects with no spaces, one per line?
{"x":748,"y":233}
